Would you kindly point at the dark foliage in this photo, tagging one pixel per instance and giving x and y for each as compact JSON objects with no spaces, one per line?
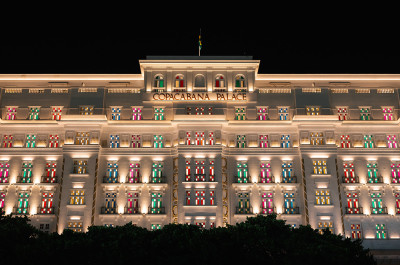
{"x":260,"y":239}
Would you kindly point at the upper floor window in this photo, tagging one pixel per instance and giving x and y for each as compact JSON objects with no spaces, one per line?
{"x":77,"y":197}
{"x":82,"y":138}
{"x":53,"y":141}
{"x":241,"y":141}
{"x":116,"y":113}
{"x":242,"y":172}
{"x":26,"y":172}
{"x":285,"y":141}
{"x":381,"y":232}
{"x":317,"y":138}
{"x":313,"y":110}
{"x":240,"y":81}
{"x":283,"y":113}
{"x":34,"y":113}
{"x":220,"y":81}
{"x":243,"y":203}
{"x":368,"y":141}
{"x":391,"y":141}
{"x":240,"y":113}
{"x":262,"y":113}
{"x":159,"y":81}
{"x":320,"y":167}
{"x":322,"y":226}
{"x":134,"y":173}
{"x":137,"y":113}
{"x":322,"y":197}
{"x":159,"y":113}
{"x":136,"y":141}
{"x":387,"y":113}
{"x":287,"y":172}
{"x":114,"y":141}
{"x":199,"y":138}
{"x":179,"y":81}
{"x":372,"y":173}
{"x":263,"y":141}
{"x":265,"y":172}
{"x":365,"y":113}
{"x":4,"y":171}
{"x":30,"y":141}
{"x":86,"y":110}
{"x":56,"y":113}
{"x":11,"y":113}
{"x":50,"y":172}
{"x":345,"y":141}
{"x":395,"y":165}
{"x":356,"y":232}
{"x":158,"y":141}
{"x":349,"y":174}
{"x":80,"y":166}
{"x":342,"y":113}
{"x":7,"y":141}
{"x":199,"y":81}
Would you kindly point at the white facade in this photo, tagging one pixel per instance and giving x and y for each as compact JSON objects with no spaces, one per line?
{"x":315,"y":149}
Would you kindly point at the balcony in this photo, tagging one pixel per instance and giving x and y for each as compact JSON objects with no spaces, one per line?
{"x":48,"y":210}
{"x":133,"y":180}
{"x":156,"y":180}
{"x":382,"y":210}
{"x":292,"y":179}
{"x":244,"y":210}
{"x":156,"y":210}
{"x":350,"y":180}
{"x":270,"y":179}
{"x":358,"y":210}
{"x":46,"y":179}
{"x":200,"y":178}
{"x":293,"y":210}
{"x":4,"y":180}
{"x":107,"y":179}
{"x":21,"y":179}
{"x":267,"y":210}
{"x":242,"y":180}
{"x":109,"y":210}
{"x":131,"y":210}
{"x":20,"y":211}
{"x":373,"y":180}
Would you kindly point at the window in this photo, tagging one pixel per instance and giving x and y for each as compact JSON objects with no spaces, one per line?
{"x":285,"y":141}
{"x":241,"y":141}
{"x":179,"y":81}
{"x":22,"y":203}
{"x":397,"y":203}
{"x":349,"y":174}
{"x":4,"y":171}
{"x":82,"y":138}
{"x":322,"y":226}
{"x":283,"y":113}
{"x":395,"y":165}
{"x":112,"y":172}
{"x":319,"y":167}
{"x":372,"y":173}
{"x":199,"y":81}
{"x":134,"y":173}
{"x":212,"y":197}
{"x":368,"y":141}
{"x":86,"y":110}
{"x":262,"y":113}
{"x":187,"y":197}
{"x":240,"y":114}
{"x":157,"y":172}
{"x":317,"y":138}
{"x":156,"y":203}
{"x":377,"y":203}
{"x":158,"y":141}
{"x":77,"y":197}
{"x":46,"y":206}
{"x":110,"y":206}
{"x":53,"y":141}
{"x":381,"y":232}
{"x":2,"y":200}
{"x":211,"y":175}
{"x":136,"y":141}
{"x":56,"y":113}
{"x":352,"y":203}
{"x":265,"y":172}
{"x":159,"y":113}
{"x":7,"y":141}
{"x":50,"y":172}
{"x":75,"y":226}
{"x":356,"y":232}
{"x":387,"y":113}
{"x":210,"y":138}
{"x":155,"y":227}
{"x":267,"y":203}
{"x":188,"y":176}
{"x":242,"y":172}
{"x":243,"y":203}
{"x":290,"y":203}
{"x":199,"y":138}
{"x":137,"y":113}
{"x":11,"y":113}
{"x":391,"y":141}
{"x":30,"y":141}
{"x":133,"y":203}
{"x":34,"y":113}
{"x":114,"y":141}
{"x":263,"y":141}
{"x":287,"y":172}
{"x":240,"y":81}
{"x":345,"y":141}
{"x":365,"y":113}
{"x":313,"y":110}
{"x":322,"y":197}
{"x":219,"y":81}
{"x":200,"y":171}
{"x":200,"y":197}
{"x":116,"y":113}
{"x":80,"y":167}
{"x":158,"y":81}
{"x":342,"y":113}
{"x":26,"y":172}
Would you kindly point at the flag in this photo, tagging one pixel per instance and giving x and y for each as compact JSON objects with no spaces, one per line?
{"x":200,"y":44}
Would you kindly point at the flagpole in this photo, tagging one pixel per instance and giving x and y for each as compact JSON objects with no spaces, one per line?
{"x":200,"y":42}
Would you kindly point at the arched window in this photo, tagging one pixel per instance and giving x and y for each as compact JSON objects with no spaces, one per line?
{"x":158,"y":81}
{"x":240,"y":81}
{"x":199,"y":81}
{"x":179,"y":81}
{"x":219,"y":81}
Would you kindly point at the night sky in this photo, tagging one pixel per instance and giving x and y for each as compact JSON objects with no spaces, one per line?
{"x":298,"y":48}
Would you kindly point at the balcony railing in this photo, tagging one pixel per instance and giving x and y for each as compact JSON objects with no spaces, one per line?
{"x":46,"y":179}
{"x":372,"y":180}
{"x":43,"y":210}
{"x":109,"y":210}
{"x":200,"y":178}
{"x":244,"y":210}
{"x":156,"y":210}
{"x":293,"y":210}
{"x":133,"y":180}
{"x":21,"y":179}
{"x":382,"y":210}
{"x":349,"y":180}
{"x":242,"y":179}
{"x":358,"y":210}
{"x":292,"y":179}
{"x":270,"y":179}
{"x":154,"y":180}
{"x":20,"y":211}
{"x":107,"y":179}
{"x":131,"y":210}
{"x":3,"y":180}
{"x":267,"y":210}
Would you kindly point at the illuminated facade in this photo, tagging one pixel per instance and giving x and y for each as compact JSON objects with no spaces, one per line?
{"x":205,"y":141}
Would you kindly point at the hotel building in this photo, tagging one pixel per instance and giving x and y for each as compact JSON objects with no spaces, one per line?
{"x":206,"y":141}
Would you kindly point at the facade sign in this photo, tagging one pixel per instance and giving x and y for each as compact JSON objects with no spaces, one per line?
{"x":179,"y":96}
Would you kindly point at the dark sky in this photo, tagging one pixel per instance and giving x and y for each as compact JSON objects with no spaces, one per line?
{"x":298,"y":48}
